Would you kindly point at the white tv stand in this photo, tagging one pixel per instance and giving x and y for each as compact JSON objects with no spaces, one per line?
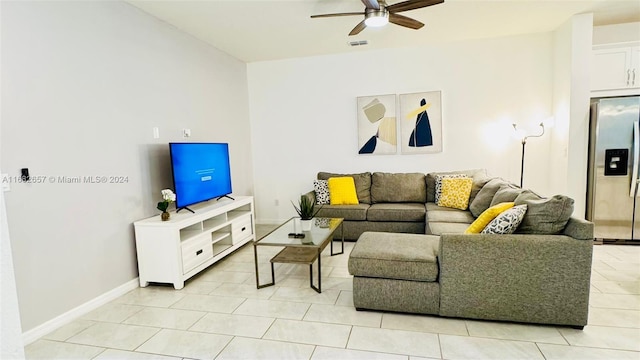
{"x":175,"y":250}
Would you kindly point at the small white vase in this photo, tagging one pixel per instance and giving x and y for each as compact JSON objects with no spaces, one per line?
{"x":305,"y":225}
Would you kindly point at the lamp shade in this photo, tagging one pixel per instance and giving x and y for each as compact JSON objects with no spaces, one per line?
{"x":376,"y":18}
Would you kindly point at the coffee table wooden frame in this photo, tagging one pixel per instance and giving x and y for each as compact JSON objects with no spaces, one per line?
{"x":299,"y":253}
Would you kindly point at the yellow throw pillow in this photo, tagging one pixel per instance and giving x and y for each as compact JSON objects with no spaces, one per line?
{"x":342,"y":191}
{"x":455,"y":193}
{"x":487,"y":216}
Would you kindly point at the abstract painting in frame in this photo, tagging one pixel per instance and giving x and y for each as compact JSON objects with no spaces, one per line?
{"x":377,"y":129}
{"x":421,"y":123}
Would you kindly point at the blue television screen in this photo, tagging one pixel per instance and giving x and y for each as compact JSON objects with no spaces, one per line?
{"x":201,"y":171}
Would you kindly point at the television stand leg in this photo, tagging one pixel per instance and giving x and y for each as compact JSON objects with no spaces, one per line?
{"x":224,"y":196}
{"x":186,"y":208}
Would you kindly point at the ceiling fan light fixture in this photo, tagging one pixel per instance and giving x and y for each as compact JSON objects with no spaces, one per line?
{"x":378,"y":13}
{"x":376,"y":18}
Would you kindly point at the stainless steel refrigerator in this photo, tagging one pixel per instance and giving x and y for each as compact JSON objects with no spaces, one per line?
{"x":613,"y":180}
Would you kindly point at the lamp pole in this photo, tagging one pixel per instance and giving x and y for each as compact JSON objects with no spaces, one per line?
{"x":524,"y":142}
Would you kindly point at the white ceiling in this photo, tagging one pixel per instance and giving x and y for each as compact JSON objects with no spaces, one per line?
{"x":261,"y":30}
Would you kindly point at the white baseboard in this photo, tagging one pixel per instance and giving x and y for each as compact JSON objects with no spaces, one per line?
{"x":39,"y":331}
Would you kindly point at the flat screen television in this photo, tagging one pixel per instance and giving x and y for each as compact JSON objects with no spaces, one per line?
{"x":201,"y":172}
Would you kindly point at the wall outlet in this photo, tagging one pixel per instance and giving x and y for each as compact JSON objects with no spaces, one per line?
{"x":276,"y":202}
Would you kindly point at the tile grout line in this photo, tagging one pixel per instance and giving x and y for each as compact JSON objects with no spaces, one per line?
{"x":540,"y":350}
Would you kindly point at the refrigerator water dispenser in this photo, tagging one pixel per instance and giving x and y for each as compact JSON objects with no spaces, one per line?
{"x":616,"y":162}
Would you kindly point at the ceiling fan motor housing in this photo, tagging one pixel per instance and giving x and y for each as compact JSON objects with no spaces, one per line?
{"x":375,"y":17}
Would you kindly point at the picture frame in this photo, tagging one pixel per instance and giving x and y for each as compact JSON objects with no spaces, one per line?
{"x":421,"y":122}
{"x":377,"y":125}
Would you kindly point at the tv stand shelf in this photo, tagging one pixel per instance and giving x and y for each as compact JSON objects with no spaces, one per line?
{"x":175,"y":250}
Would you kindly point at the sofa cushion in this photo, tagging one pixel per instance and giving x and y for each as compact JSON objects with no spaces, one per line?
{"x":398,"y":188}
{"x":546,"y":216}
{"x":455,"y":193}
{"x":526,"y":195}
{"x":396,"y":212}
{"x":395,"y":256}
{"x":348,"y":212}
{"x":507,"y":221}
{"x":482,"y":201}
{"x":479,"y":179}
{"x":362,"y":181}
{"x":437,"y":213}
{"x":439,"y":228}
{"x":342,"y":191}
{"x":487,"y":216}
{"x":506,"y":193}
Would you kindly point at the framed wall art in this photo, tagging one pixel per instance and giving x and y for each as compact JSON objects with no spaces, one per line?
{"x":377,"y":128}
{"x":421,"y":123}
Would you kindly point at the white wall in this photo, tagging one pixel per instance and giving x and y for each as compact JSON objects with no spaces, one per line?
{"x":581,"y":45}
{"x":570,"y":135}
{"x":83,"y":85}
{"x":559,"y":134}
{"x":11,"y":344}
{"x":303,"y":112}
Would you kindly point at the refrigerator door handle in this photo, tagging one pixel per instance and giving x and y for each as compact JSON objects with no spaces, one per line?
{"x":636,"y":151}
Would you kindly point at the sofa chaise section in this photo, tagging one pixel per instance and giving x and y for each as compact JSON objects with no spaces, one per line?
{"x":396,"y":272}
{"x":529,"y":278}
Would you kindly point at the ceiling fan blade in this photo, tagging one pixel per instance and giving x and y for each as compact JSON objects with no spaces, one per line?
{"x":412,"y":4}
{"x":337,"y":14}
{"x":356,"y":30}
{"x":371,"y":4}
{"x":405,"y":21}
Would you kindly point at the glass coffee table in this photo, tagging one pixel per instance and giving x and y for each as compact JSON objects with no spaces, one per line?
{"x":300,"y":250}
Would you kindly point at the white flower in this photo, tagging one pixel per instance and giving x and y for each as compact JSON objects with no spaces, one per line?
{"x":168,"y":195}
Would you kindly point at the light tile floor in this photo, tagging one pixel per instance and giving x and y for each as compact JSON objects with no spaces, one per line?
{"x":221,"y":315}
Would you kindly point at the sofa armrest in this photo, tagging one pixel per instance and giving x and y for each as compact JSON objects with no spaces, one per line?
{"x":311,"y":195}
{"x":579,"y":229}
{"x":524,"y":278}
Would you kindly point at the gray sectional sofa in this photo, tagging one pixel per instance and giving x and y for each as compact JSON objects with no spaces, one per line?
{"x":540,"y":274}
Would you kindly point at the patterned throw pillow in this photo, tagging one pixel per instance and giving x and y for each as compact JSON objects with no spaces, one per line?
{"x":321,"y":188}
{"x":455,"y":192}
{"x":439,"y":178}
{"x":487,"y":216}
{"x":507,"y":222}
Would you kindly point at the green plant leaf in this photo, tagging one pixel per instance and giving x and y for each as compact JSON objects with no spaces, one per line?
{"x":305,"y":208}
{"x":163,"y":205}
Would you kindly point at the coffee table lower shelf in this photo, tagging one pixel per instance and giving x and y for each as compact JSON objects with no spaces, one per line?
{"x":297,"y":255}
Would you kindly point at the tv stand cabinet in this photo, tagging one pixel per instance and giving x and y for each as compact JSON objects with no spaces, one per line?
{"x":175,"y":250}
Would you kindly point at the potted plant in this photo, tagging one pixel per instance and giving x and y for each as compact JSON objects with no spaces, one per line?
{"x":306,"y":210}
{"x":167,"y":197}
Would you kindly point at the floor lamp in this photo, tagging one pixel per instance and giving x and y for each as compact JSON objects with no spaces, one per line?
{"x":524,"y":142}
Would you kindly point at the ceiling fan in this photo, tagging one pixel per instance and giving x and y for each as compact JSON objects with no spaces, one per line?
{"x":378,"y":13}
